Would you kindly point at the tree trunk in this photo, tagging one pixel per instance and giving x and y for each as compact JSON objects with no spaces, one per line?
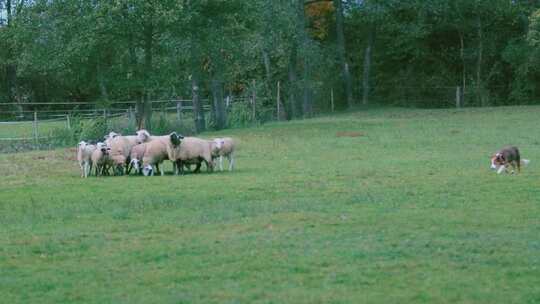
{"x":463,"y":67}
{"x":303,"y":42}
{"x":218,"y":106}
{"x":11,"y":70}
{"x":367,"y":66}
{"x":148,"y":58}
{"x":346,"y":74}
{"x":306,"y":75}
{"x":479,"y":85}
{"x":292,"y":111}
{"x":198,"y":111}
{"x":307,"y":104}
{"x":266,"y":61}
{"x":139,"y":108}
{"x":101,"y":82}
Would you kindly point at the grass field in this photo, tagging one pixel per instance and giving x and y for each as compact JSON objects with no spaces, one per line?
{"x":25,"y":129}
{"x":383,"y":206}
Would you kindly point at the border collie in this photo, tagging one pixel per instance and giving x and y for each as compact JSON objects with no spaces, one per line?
{"x":507,"y":156}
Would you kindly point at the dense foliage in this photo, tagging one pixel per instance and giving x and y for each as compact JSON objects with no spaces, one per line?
{"x":413,"y":52}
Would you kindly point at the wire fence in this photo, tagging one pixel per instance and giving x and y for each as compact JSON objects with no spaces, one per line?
{"x":39,"y":125}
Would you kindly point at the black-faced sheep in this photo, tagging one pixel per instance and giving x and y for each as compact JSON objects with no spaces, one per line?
{"x":189,"y":150}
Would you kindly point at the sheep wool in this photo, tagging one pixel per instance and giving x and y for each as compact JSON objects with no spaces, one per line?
{"x":155,"y":152}
{"x":120,"y":150}
{"x":101,"y":158}
{"x":84,"y":157}
{"x":189,"y":150}
{"x":224,"y":147}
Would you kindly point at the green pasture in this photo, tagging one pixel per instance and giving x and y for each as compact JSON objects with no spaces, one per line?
{"x":378,"y":206}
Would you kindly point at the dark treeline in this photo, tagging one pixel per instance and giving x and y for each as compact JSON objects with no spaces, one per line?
{"x":365,"y":51}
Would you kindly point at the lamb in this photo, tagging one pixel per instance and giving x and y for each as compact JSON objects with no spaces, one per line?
{"x":101,"y":158}
{"x":224,"y":147}
{"x":189,"y":150}
{"x":120,"y":149}
{"x":136,"y":157}
{"x":84,"y":154}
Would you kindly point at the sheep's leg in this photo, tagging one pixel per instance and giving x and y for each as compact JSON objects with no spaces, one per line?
{"x":231,"y":161}
{"x":221,"y":163}
{"x":162,"y":172}
{"x":85,"y":165}
{"x":82,"y":169}
{"x":129,"y":168}
{"x":209,"y":165}
{"x":105,"y":170}
{"x":198,"y":168}
{"x":158,"y":170}
{"x":180,"y":167}
{"x":174,"y":168}
{"x":119,"y":170}
{"x":91,"y":165}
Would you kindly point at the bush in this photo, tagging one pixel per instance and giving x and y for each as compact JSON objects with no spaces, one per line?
{"x":162,"y":125}
{"x":94,"y":130}
{"x":61,"y":137}
{"x":240,"y":115}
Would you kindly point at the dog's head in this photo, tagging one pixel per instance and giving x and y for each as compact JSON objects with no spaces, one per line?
{"x":497,"y":160}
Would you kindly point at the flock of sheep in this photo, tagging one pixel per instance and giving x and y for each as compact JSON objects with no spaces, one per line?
{"x":145,"y":153}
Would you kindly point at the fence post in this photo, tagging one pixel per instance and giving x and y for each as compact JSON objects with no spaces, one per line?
{"x":179,"y":110}
{"x":278,"y":101}
{"x":458,"y":97}
{"x":68,"y":122}
{"x":131,"y":116}
{"x":254,"y":101}
{"x":332,"y":99}
{"x":35,"y":130}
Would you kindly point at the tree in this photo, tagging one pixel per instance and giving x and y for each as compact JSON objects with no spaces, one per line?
{"x":342,"y":55}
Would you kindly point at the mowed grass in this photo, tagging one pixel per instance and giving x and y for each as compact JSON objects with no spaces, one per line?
{"x":26,"y":129}
{"x":382,"y":206}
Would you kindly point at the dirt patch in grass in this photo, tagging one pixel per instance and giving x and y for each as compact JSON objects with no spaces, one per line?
{"x":350,"y":134}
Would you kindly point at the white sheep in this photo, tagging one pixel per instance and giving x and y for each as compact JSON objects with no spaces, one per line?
{"x":143,"y":136}
{"x":101,"y":159}
{"x":120,"y":149}
{"x":189,"y":150}
{"x":155,"y":152}
{"x":224,"y":147}
{"x":84,"y":157}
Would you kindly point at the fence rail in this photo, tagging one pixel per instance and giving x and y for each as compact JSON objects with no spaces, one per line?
{"x":34,"y":123}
